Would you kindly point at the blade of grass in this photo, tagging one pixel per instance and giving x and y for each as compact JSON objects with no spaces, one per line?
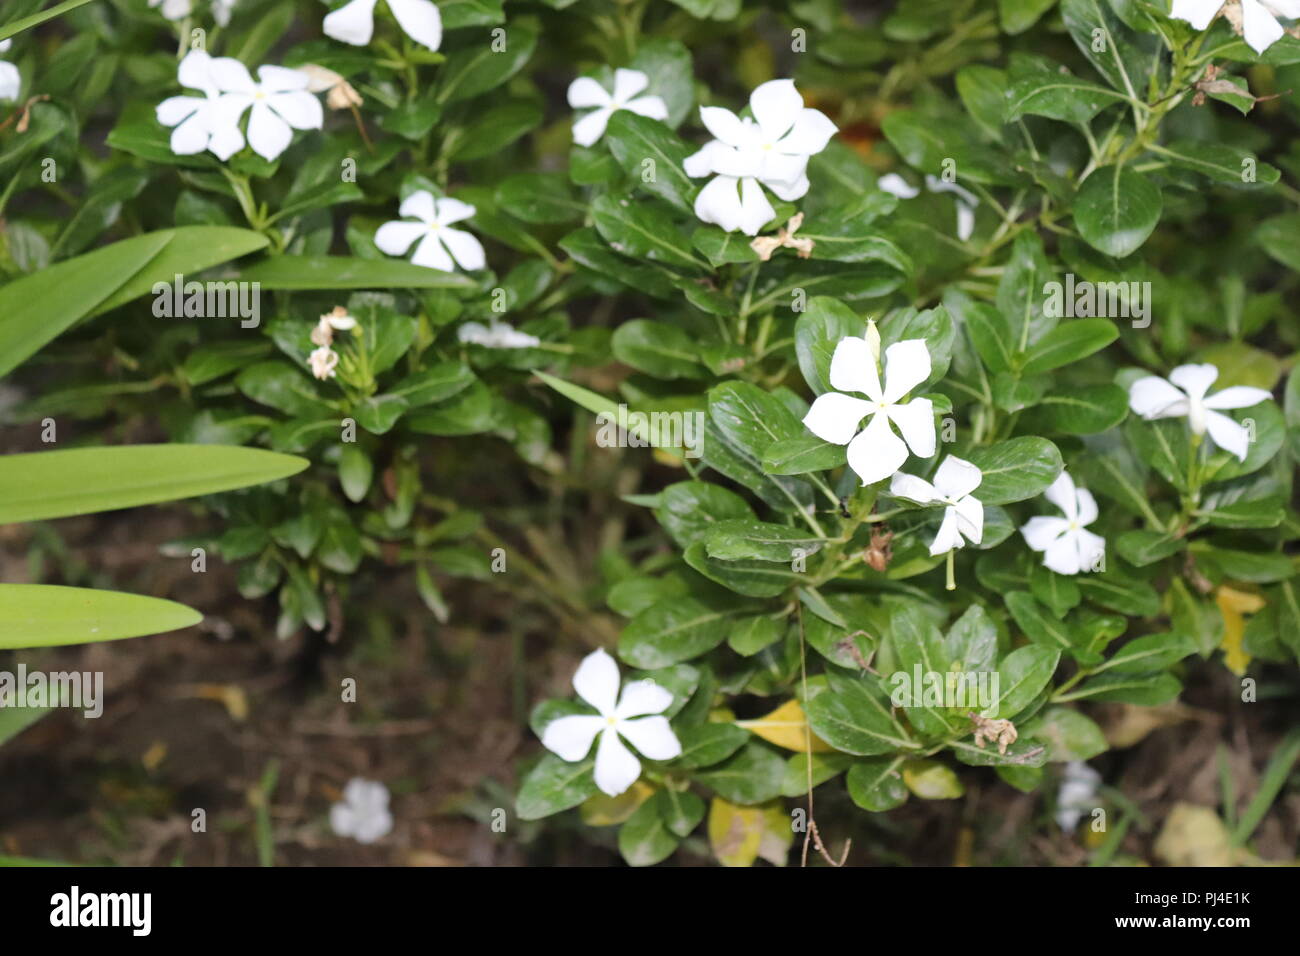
{"x":26,"y":23}
{"x":1275,"y":774}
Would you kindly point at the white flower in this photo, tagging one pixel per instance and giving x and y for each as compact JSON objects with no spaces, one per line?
{"x":324,"y":361}
{"x":1077,"y":794}
{"x":497,"y":335}
{"x":1067,"y":548}
{"x":363,"y":813}
{"x":330,"y":322}
{"x":953,"y":484}
{"x":1152,"y":397}
{"x":585,"y":92}
{"x":896,"y":185}
{"x":617,"y":768}
{"x":772,"y":148}
{"x":11,"y":80}
{"x":354,"y":22}
{"x":280,"y":103}
{"x":1258,"y":19}
{"x":439,"y":245}
{"x":200,"y":122}
{"x":173,"y":9}
{"x":876,"y":452}
{"x":221,"y":10}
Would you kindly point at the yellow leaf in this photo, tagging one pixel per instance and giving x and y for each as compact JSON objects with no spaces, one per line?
{"x":154,"y":756}
{"x":1194,"y":836}
{"x":774,"y":845}
{"x":735,"y":833}
{"x":786,"y":727}
{"x":1233,"y":604}
{"x":603,"y":811}
{"x":931,"y":780}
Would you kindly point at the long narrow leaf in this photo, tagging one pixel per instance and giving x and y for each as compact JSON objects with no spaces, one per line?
{"x":47,"y":615}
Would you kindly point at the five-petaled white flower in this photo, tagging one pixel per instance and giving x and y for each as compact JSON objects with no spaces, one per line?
{"x":354,"y":22}
{"x":584,"y":92}
{"x":963,"y":515}
{"x":1257,"y":21}
{"x":497,"y":335}
{"x":617,"y":768}
{"x":439,"y":245}
{"x":11,"y":80}
{"x":773,"y":148}
{"x":173,"y":9}
{"x":200,"y":122}
{"x":896,"y":185}
{"x":280,"y":103}
{"x":1067,"y":548}
{"x":1152,"y":397}
{"x":876,"y":452}
{"x":363,"y":812}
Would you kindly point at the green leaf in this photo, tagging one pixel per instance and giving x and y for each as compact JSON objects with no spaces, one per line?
{"x":645,"y":839}
{"x":1278,"y":237}
{"x":1068,"y":734}
{"x":1221,"y":162}
{"x":78,"y":481}
{"x":1145,"y":690}
{"x":739,"y":538}
{"x":482,"y":66}
{"x":1086,"y":410}
{"x":43,"y":615}
{"x":1022,"y":675}
{"x":26,"y":23}
{"x":658,"y":349}
{"x":752,"y":775}
{"x":877,"y":784}
{"x":675,"y":630}
{"x":553,"y":786}
{"x":1150,"y":653}
{"x":857,"y":722}
{"x":1068,"y":343}
{"x":644,"y":228}
{"x":1116,"y":209}
{"x":1016,"y":469}
{"x":283,"y":387}
{"x":540,"y":198}
{"x":652,"y":155}
{"x":708,"y":744}
{"x":802,"y":454}
{"x":292,"y":273}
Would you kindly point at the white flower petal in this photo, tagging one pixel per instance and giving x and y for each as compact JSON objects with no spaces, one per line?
{"x":1062,"y":555}
{"x":11,"y":81}
{"x":642,"y":697}
{"x":616,"y":767}
{"x":448,"y":210}
{"x":1227,"y":434}
{"x":194,"y":70}
{"x":811,"y":132}
{"x":394,"y":238}
{"x":781,"y":169}
{"x":877,"y":453}
{"x":790,"y":191}
{"x":1087,"y":512}
{"x":596,"y":681}
{"x":970,"y":518}
{"x":282,"y":79}
{"x":776,"y":105}
{"x":653,"y":737}
{"x":1153,"y":397}
{"x":702,"y":162}
{"x":570,"y":738}
{"x":916,"y":489}
{"x":300,"y":109}
{"x":956,"y":478}
{"x":915,"y":421}
{"x":853,"y":368}
{"x":736,"y":163}
{"x":1092,"y":549}
{"x":1195,"y":380}
{"x":896,"y":185}
{"x":268,"y":133}
{"x":948,"y":537}
{"x":1062,"y":494}
{"x":907,"y":365}
{"x":464,"y":248}
{"x":1238,"y":396}
{"x":231,"y":76}
{"x":175,"y":109}
{"x":965,"y":221}
{"x":419,"y":20}
{"x":588,"y":130}
{"x":420,"y":204}
{"x":343,"y":820}
{"x":835,"y":417}
{"x":755,"y":209}
{"x":628,"y":83}
{"x":227,"y":139}
{"x":652,"y":106}
{"x":1198,"y":13}
{"x":191,"y":136}
{"x":1283,"y":8}
{"x":352,"y":23}
{"x":1258,"y":26}
{"x":432,"y":254}
{"x":1041,"y":532}
{"x":719,"y":203}
{"x":725,"y":125}
{"x":585,"y":92}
